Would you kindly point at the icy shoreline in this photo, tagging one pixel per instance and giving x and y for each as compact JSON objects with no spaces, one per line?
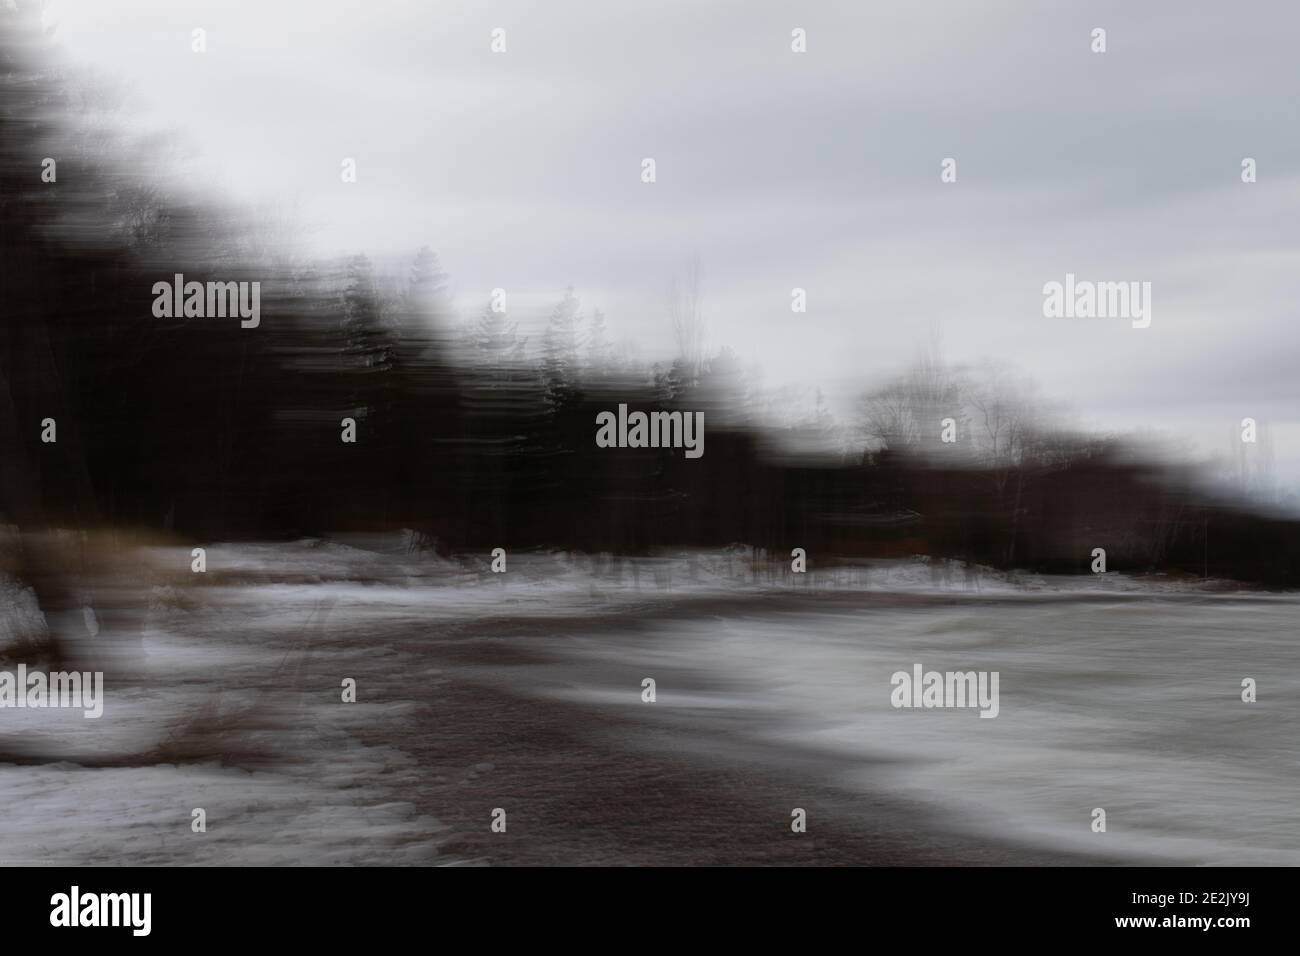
{"x":234,"y":703}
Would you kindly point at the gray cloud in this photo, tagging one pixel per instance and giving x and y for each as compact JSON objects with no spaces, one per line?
{"x":817,"y":170}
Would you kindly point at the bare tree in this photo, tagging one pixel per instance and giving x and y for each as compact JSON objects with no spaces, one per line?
{"x":907,"y":413}
{"x":686,"y":310}
{"x":1002,"y":415}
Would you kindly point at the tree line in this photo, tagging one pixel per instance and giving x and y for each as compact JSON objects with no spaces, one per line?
{"x":467,"y":433}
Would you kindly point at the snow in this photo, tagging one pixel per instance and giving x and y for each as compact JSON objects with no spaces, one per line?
{"x":1116,"y":692}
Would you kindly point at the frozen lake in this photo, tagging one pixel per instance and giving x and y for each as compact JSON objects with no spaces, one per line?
{"x":524,"y":691}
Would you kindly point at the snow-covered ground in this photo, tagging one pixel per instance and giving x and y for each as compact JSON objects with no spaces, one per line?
{"x":1133,"y":706}
{"x":1114,"y":692}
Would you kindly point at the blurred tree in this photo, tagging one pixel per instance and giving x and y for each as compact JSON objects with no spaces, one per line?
{"x":560,"y":351}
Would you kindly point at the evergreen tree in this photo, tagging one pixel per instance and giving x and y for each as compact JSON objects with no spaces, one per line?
{"x":600,"y":352}
{"x":496,"y":340}
{"x":427,"y":287}
{"x":560,"y":351}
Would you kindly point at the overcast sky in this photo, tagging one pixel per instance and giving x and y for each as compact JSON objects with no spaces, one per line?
{"x":818,"y":170}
